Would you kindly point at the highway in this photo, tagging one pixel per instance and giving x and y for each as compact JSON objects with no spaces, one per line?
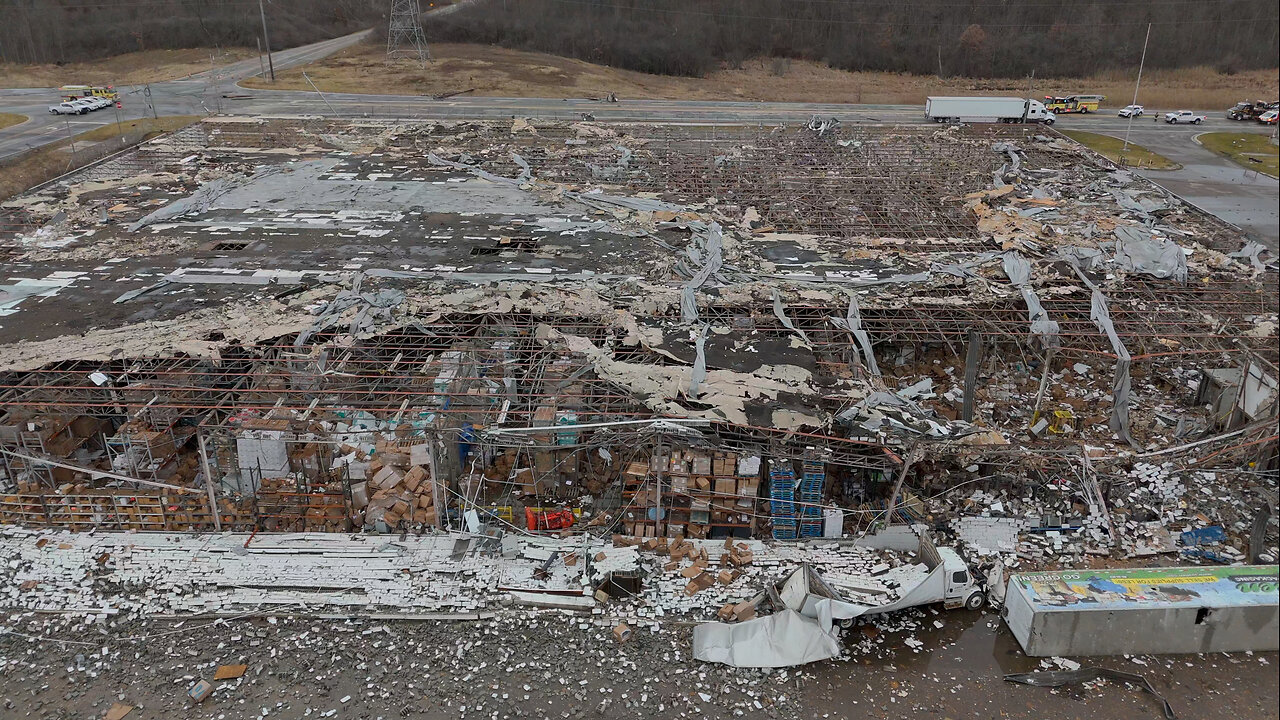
{"x":1245,"y":198}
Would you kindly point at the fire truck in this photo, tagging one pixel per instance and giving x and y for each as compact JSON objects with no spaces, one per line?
{"x":75,"y":92}
{"x":1073,"y":103}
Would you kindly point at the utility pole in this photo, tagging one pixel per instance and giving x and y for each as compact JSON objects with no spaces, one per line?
{"x":322,"y":97}
{"x":1141,"y":62}
{"x":266,"y":40}
{"x":146,"y":94}
{"x":262,"y":65}
{"x":1026,"y":105}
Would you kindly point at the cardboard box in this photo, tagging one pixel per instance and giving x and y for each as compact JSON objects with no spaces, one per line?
{"x":387,"y":478}
{"x":702,"y":483}
{"x":544,"y":416}
{"x":700,"y":464}
{"x":726,"y":486}
{"x":699,"y":583}
{"x":414,"y":477}
{"x":524,"y":479}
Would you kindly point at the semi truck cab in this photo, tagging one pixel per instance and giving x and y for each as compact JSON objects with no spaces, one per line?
{"x":1037,"y":112}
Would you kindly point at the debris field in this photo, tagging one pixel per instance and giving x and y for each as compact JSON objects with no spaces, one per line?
{"x":617,"y":378}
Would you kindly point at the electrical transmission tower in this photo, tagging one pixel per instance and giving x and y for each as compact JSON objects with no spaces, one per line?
{"x":404,"y":36}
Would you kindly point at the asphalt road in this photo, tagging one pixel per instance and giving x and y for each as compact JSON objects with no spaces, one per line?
{"x":1247,"y":199}
{"x":199,"y":94}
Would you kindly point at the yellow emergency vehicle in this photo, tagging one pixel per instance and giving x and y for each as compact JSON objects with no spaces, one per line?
{"x":75,"y":92}
{"x":1073,"y":103}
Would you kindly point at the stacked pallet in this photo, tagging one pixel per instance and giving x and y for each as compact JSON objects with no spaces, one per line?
{"x":782,"y":500}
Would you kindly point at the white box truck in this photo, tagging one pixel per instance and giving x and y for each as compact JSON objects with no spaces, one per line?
{"x":940,"y":575}
{"x":808,"y":606}
{"x":986,"y":110}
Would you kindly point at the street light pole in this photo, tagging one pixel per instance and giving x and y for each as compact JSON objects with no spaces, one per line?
{"x":1136,"y":85}
{"x":267,"y":40}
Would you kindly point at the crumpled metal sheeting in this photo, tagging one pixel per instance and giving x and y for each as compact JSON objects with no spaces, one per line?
{"x":714,"y":248}
{"x":852,"y":323}
{"x":883,"y":407}
{"x":1138,"y":251}
{"x":375,"y":307}
{"x":1080,"y":257}
{"x":203,"y":198}
{"x":1251,"y":252}
{"x":1133,"y":201}
{"x":1014,"y":158}
{"x":699,"y":373}
{"x":609,"y":172}
{"x":631,"y":203}
{"x":965,"y":269}
{"x":526,"y":172}
{"x":1058,"y":678}
{"x":437,"y":160}
{"x":1018,"y":270}
{"x":780,"y":312}
{"x":1100,"y":314}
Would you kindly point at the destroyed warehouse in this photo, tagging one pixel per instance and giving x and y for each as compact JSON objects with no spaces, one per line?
{"x":700,"y":341}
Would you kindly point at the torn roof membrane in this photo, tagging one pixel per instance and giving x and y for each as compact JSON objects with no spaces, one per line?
{"x":769,"y":278}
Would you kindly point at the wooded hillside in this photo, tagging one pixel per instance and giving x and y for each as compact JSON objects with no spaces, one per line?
{"x":54,"y":31}
{"x":980,"y":38}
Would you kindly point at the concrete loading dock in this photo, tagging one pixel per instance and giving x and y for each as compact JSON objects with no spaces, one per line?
{"x":1145,"y":610}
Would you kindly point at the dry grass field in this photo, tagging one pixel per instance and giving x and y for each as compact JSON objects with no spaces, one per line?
{"x":495,"y":71}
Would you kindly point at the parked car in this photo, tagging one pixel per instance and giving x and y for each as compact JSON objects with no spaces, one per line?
{"x":1183,"y":116}
{"x":97,"y":102}
{"x":1130,"y":111}
{"x":1268,"y":117}
{"x":68,"y":108}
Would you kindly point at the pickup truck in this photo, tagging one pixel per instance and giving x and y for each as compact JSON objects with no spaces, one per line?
{"x":68,"y":108}
{"x":1183,"y":116}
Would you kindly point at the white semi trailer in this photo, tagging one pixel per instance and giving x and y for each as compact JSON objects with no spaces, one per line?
{"x":986,"y":110}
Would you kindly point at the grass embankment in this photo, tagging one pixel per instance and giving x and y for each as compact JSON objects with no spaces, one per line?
{"x":11,"y":119}
{"x":54,"y":159}
{"x":1252,"y":151}
{"x":120,"y":70}
{"x":1114,"y":150}
{"x":500,"y":72}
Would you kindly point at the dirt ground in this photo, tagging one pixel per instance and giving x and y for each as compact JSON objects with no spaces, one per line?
{"x":556,"y":666}
{"x":495,"y":71}
{"x":128,"y":69}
